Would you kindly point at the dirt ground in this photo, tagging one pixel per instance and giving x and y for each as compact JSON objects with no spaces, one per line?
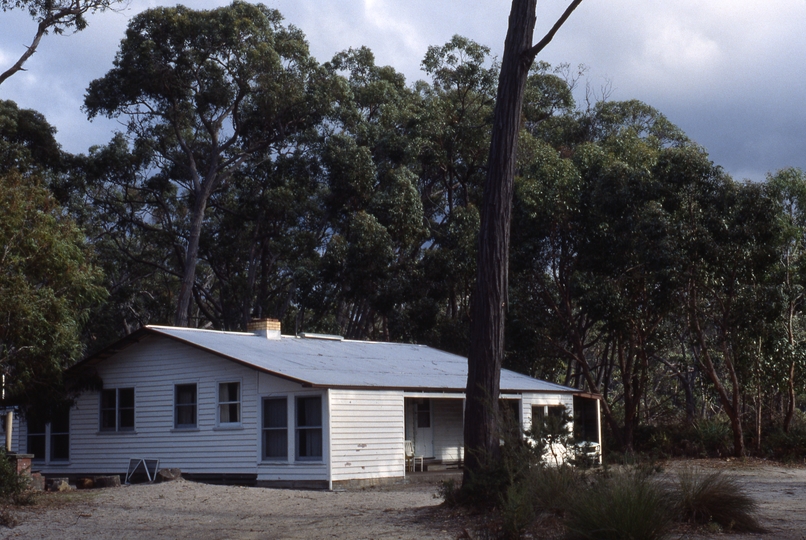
{"x":184,"y":509}
{"x":780,"y":491}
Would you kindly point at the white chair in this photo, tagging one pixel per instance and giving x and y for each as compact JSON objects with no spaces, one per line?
{"x":411,"y":458}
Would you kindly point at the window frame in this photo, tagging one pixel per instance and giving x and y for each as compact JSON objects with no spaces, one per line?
{"x":279,"y":429}
{"x":308,"y":428}
{"x":47,"y":438}
{"x":194,"y":406}
{"x":52,"y":439}
{"x":238,"y":402}
{"x":43,"y":434}
{"x":117,"y":410}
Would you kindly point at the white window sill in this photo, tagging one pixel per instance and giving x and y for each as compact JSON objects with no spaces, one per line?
{"x":185,"y":430}
{"x":229,"y":427}
{"x":106,"y":433}
{"x":269,"y":463}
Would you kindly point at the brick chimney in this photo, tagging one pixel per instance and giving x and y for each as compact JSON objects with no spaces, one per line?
{"x":268,"y":328}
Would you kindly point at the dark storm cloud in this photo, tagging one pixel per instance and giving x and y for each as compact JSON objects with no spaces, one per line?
{"x":730,"y":73}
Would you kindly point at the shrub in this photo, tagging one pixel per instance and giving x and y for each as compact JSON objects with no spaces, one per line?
{"x":13,"y":487}
{"x":622,"y":506}
{"x":714,"y":497}
{"x":788,"y":447}
{"x":715,"y":437}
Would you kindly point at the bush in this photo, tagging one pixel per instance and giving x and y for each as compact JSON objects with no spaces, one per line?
{"x":622,"y":506}
{"x":788,"y":447}
{"x":13,"y":487}
{"x":716,"y":498}
{"x":715,"y":437}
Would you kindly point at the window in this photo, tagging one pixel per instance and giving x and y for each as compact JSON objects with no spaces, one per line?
{"x":36,"y":438}
{"x":549,"y":417}
{"x":275,"y":428}
{"x":424,"y":414}
{"x":309,"y":428}
{"x":60,"y":437}
{"x":229,"y":403}
{"x":117,"y":409}
{"x":185,"y":406}
{"x":49,"y":442}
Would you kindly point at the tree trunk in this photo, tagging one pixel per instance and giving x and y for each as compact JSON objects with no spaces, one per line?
{"x":790,"y":405}
{"x":191,"y":258}
{"x":490,"y":298}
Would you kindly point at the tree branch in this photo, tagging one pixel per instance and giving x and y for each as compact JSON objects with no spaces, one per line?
{"x":532,"y":52}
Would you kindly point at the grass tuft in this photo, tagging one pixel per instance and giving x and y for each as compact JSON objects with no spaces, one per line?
{"x":624,"y":506}
{"x":716,"y":498}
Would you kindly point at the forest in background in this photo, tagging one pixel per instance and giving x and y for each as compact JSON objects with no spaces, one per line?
{"x":253,"y":181}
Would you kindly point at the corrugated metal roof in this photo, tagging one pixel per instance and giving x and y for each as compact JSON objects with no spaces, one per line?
{"x":354,"y":364}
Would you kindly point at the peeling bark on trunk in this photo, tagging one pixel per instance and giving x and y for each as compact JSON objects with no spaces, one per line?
{"x":489,"y":301}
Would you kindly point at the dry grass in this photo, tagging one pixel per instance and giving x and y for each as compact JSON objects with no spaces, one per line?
{"x":716,"y":498}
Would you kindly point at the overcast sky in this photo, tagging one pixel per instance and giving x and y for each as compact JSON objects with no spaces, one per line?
{"x":730,"y":73}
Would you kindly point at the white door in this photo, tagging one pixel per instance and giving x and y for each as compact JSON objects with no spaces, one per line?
{"x":423,"y":432}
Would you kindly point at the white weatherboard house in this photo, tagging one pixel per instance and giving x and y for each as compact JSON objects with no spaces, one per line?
{"x":307,"y":411}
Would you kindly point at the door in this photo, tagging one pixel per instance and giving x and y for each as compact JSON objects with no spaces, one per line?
{"x":423,"y":432}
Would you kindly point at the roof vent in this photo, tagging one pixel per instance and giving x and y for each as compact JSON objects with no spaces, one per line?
{"x":330,"y":337}
{"x":268,"y":328}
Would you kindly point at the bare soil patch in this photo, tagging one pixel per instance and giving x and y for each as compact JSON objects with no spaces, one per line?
{"x":183,"y":509}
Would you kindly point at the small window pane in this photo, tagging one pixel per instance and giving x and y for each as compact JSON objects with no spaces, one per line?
{"x":186,"y":394}
{"x":60,"y":423}
{"x":275,"y":444}
{"x":108,"y":399}
{"x":60,"y":447}
{"x":36,"y":438}
{"x":126,"y":396}
{"x":309,"y":412}
{"x":275,"y":413}
{"x":108,"y":418}
{"x":229,"y":392}
{"x":229,"y":413}
{"x":60,"y":436}
{"x":424,"y":414}
{"x":36,"y":445}
{"x":310,"y":443}
{"x":126,"y":419}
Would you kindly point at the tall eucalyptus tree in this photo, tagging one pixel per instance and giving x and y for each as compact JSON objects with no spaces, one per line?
{"x":206,"y":93}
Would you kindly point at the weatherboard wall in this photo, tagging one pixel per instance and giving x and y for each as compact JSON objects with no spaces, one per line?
{"x":366,"y":434}
{"x":153,"y":367}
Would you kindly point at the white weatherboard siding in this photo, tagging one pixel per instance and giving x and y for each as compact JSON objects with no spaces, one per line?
{"x":153,"y":367}
{"x":448,"y":429}
{"x":366,"y":434}
{"x":365,"y":389}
